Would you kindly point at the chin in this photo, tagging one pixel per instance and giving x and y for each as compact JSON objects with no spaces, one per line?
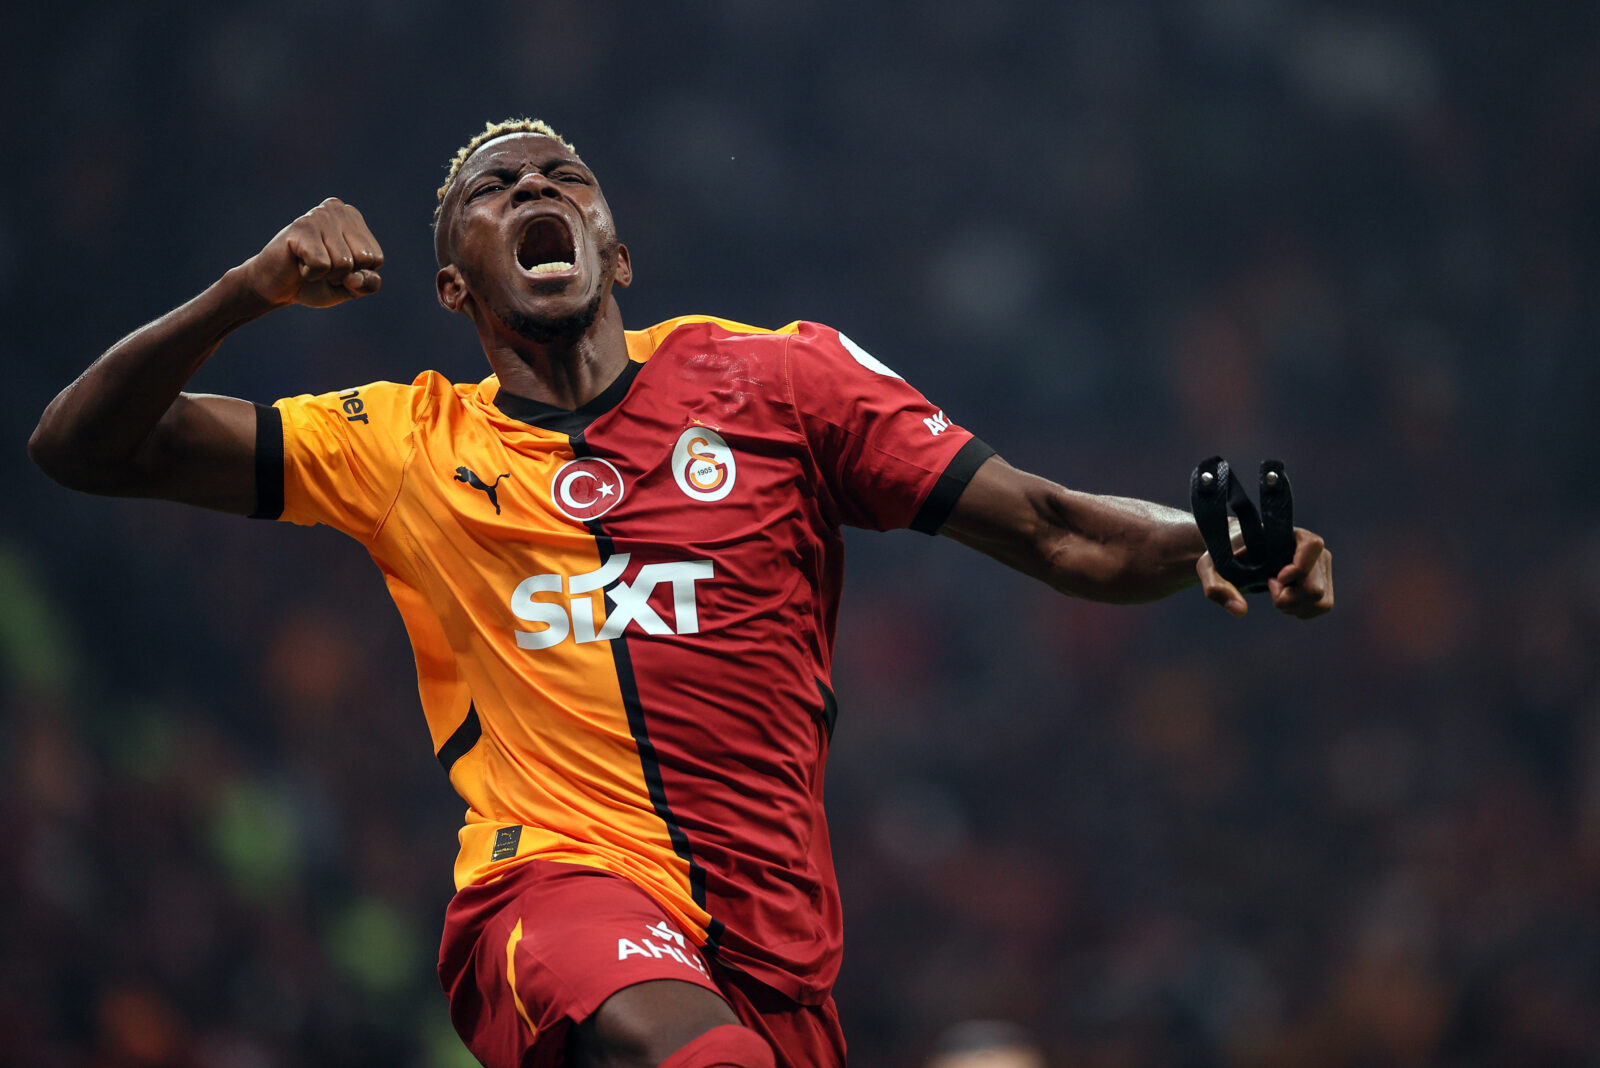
{"x":544,"y":329}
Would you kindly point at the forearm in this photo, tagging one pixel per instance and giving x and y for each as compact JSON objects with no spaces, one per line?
{"x":1102,"y":548}
{"x":1116,"y":549}
{"x":94,"y":431}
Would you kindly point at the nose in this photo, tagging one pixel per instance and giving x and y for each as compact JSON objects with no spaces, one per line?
{"x":531,"y":184}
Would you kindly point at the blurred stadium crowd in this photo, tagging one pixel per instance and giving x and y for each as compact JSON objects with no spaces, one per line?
{"x":1111,"y":237}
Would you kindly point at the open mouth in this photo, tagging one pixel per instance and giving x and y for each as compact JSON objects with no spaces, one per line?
{"x":546,"y":247}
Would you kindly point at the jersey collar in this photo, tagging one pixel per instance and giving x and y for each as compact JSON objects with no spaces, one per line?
{"x":567,"y":421}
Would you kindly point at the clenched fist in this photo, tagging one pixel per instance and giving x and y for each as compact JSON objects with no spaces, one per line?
{"x":325,"y":257}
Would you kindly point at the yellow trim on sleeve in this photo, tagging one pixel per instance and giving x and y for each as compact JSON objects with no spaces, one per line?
{"x":641,"y":343}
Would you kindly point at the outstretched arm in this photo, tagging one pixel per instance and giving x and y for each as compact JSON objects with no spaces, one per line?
{"x":125,"y":427}
{"x":1115,"y":549}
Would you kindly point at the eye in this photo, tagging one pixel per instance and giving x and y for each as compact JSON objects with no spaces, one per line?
{"x":486,"y":187}
{"x":572,"y":176}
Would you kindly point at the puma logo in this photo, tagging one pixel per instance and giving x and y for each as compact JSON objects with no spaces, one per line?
{"x":467,"y":475}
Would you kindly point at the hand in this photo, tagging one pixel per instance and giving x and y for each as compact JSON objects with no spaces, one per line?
{"x":325,"y":257}
{"x":1303,"y":589}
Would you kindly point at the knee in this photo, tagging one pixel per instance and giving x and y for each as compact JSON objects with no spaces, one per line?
{"x":728,"y":1046}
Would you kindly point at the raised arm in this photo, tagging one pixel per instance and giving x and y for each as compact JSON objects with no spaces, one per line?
{"x":125,"y":428}
{"x":1115,"y":549}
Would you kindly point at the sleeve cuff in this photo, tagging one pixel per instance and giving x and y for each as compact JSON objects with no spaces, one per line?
{"x":269,"y":463}
{"x":936,"y":509}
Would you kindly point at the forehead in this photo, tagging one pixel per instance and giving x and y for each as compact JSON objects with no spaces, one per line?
{"x":515,"y":150}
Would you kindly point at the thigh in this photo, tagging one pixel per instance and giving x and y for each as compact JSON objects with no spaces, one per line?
{"x":801,"y":1036}
{"x":645,"y":1024}
{"x":527,"y":957}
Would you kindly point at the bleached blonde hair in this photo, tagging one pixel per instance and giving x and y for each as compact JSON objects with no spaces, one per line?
{"x":489,"y":133}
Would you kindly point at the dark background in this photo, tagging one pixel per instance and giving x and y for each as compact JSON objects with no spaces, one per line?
{"x":1112,"y":237}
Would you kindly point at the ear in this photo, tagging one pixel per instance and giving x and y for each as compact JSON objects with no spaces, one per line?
{"x":624,"y":273}
{"x":452,"y":288}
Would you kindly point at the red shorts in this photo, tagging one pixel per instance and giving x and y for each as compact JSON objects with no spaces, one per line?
{"x":526,"y":957}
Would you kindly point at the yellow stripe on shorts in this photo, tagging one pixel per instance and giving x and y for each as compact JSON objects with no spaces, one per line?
{"x":511,"y":975}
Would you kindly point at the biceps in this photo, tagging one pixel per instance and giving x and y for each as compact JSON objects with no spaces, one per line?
{"x":993,"y":506}
{"x":202,"y":453}
{"x":1002,"y":512}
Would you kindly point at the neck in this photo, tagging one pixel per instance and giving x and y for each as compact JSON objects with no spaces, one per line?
{"x":564,"y":372}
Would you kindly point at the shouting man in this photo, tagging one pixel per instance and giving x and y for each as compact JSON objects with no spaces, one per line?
{"x":618,"y":559}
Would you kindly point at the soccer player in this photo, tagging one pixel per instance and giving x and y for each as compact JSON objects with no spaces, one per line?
{"x":618,"y":561}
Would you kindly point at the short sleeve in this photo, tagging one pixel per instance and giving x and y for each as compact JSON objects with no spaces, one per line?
{"x":890,"y":458}
{"x":339,"y":457}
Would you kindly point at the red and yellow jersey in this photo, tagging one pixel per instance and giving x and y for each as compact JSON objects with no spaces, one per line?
{"x":623,"y":615}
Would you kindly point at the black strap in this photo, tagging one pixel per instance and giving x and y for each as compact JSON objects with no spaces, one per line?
{"x":941,"y":500}
{"x":1268,"y":536}
{"x":269,"y":463}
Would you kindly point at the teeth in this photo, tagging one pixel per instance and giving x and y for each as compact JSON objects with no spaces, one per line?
{"x":553,"y":267}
